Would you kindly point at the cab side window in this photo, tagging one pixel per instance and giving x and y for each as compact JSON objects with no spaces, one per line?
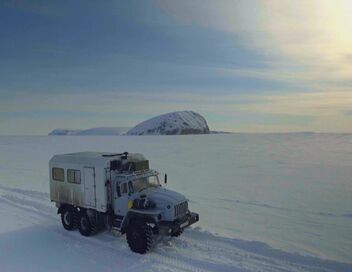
{"x":130,"y":187}
{"x":123,"y":188}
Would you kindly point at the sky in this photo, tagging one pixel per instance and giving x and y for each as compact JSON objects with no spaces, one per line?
{"x":246,"y":66}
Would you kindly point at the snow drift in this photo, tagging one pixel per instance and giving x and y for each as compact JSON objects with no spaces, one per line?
{"x":173,"y":123}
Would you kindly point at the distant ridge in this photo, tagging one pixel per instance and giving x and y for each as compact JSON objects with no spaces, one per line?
{"x":102,"y":131}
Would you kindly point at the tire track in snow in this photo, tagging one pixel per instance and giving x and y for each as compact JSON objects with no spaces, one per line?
{"x":27,"y":201}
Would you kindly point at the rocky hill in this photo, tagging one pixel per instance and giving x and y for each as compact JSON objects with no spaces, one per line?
{"x":173,"y":123}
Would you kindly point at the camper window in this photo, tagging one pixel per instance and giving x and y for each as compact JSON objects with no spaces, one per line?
{"x":58,"y":174}
{"x":74,"y":176}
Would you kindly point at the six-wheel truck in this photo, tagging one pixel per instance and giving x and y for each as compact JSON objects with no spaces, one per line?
{"x":95,"y":191}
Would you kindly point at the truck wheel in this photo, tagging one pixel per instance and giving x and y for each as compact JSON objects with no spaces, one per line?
{"x":139,"y":237}
{"x":177,"y":233}
{"x":69,"y":218}
{"x":84,"y":225}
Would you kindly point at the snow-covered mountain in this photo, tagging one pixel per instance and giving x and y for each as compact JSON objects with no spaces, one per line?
{"x":90,"y":131}
{"x":173,"y":123}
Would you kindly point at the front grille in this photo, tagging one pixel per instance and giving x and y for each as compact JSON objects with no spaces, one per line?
{"x":181,"y":209}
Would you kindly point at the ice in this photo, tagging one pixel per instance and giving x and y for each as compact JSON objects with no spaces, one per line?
{"x":267,"y":202}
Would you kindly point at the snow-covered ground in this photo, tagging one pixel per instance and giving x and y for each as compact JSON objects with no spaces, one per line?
{"x":266,"y":203}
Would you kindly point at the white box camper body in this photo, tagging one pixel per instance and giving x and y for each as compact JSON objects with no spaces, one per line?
{"x":91,"y":191}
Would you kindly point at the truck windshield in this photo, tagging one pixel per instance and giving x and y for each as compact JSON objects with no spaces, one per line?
{"x":140,"y":184}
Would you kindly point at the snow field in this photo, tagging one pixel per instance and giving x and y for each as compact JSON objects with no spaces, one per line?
{"x":32,"y":239}
{"x":266,"y":203}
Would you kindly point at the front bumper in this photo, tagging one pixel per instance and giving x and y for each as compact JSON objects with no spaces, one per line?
{"x":173,"y":227}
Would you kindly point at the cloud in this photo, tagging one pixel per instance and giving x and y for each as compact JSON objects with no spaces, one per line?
{"x":312,"y":40}
{"x":319,"y":104}
{"x":347,"y":112}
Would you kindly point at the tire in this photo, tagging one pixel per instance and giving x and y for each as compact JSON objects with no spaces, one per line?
{"x":84,"y":225}
{"x":139,"y":237}
{"x":69,"y":218}
{"x":177,"y":233}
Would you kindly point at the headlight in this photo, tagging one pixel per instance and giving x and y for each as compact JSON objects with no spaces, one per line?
{"x":130,"y":204}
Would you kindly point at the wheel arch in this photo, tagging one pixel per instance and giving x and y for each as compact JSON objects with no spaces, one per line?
{"x":132,"y":217}
{"x":63,"y":207}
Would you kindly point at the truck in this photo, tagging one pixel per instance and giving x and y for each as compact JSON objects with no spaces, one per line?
{"x":96,"y":191}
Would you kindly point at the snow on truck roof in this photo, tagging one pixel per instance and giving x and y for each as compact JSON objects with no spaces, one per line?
{"x":81,"y":157}
{"x":93,"y":154}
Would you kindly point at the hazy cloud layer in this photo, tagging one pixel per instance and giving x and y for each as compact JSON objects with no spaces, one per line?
{"x":246,"y":65}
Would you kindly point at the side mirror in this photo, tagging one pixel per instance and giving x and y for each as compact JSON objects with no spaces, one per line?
{"x":165,"y":178}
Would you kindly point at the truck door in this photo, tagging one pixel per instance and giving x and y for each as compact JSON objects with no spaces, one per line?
{"x":121,"y":198}
{"x":89,"y":186}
